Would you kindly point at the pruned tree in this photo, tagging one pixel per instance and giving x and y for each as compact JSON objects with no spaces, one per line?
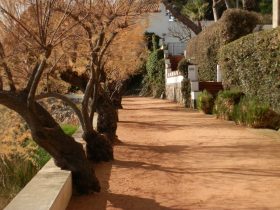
{"x":41,"y":30}
{"x":100,"y":30}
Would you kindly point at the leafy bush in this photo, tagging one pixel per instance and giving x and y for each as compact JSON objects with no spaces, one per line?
{"x":252,"y":64}
{"x":225,"y":103}
{"x":203,"y":49}
{"x":186,"y":92}
{"x":183,"y":67}
{"x":155,"y":77}
{"x":253,"y":113}
{"x":205,"y":102}
{"x":265,"y":6}
{"x":152,"y":40}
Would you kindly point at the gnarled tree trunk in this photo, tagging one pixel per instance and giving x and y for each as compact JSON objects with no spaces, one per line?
{"x":68,"y":154}
{"x":98,"y":146}
{"x":107,"y":117}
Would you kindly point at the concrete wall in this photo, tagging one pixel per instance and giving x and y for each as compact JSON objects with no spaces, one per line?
{"x":50,"y":189}
{"x":174,"y":93}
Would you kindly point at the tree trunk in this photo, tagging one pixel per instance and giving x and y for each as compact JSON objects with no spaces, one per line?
{"x":98,"y":146}
{"x":215,"y":11}
{"x":68,"y":154}
{"x":107,"y":117}
{"x":227,"y":4}
{"x":183,"y":19}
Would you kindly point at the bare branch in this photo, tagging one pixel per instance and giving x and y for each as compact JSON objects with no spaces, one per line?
{"x":66,"y":100}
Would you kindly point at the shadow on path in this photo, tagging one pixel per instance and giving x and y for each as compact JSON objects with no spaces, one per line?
{"x":105,"y":199}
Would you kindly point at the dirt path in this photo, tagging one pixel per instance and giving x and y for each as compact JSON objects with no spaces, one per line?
{"x":177,"y":159}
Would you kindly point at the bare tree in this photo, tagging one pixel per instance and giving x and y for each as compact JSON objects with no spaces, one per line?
{"x":180,"y":31}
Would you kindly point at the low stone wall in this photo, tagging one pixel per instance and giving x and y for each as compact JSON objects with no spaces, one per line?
{"x":50,"y":189}
{"x":174,"y":93}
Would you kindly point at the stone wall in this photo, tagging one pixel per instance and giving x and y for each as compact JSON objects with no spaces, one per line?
{"x":174,"y":93}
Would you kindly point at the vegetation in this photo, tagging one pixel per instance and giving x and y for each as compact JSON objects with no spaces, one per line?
{"x":195,"y":9}
{"x":154,"y":80}
{"x":39,"y":39}
{"x":252,"y":65}
{"x":265,"y":6}
{"x":186,"y":92}
{"x":183,"y":67}
{"x":225,"y":103}
{"x":254,"y":113}
{"x":245,"y":110}
{"x":185,"y":85}
{"x":205,"y":102}
{"x":18,"y":168}
{"x":203,"y":49}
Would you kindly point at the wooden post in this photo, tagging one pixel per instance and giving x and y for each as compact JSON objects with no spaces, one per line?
{"x":276,"y":13}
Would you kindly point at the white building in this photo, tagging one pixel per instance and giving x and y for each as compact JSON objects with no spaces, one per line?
{"x":161,"y":23}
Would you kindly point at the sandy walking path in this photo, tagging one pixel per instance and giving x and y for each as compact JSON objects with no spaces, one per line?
{"x":173,"y":158}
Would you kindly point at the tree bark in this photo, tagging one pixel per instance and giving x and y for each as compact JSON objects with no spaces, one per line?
{"x":215,"y":10}
{"x":107,"y":117}
{"x":68,"y":154}
{"x":98,"y":146}
{"x":185,"y":20}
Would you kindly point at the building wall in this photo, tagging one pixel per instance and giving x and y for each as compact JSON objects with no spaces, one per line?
{"x":159,"y":23}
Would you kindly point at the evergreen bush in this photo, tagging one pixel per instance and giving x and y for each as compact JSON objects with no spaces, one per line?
{"x":183,"y":67}
{"x":186,"y":92}
{"x":251,"y":112}
{"x":205,"y":102}
{"x":225,"y":103}
{"x":203,"y":49}
{"x":252,"y":65}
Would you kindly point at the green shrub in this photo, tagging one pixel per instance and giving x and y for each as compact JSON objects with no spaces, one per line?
{"x":183,"y":67}
{"x":203,"y":49}
{"x":252,"y":64}
{"x":225,"y":103}
{"x":186,"y":92}
{"x":265,"y":6}
{"x":251,"y":112}
{"x":205,"y":102}
{"x":155,"y":79}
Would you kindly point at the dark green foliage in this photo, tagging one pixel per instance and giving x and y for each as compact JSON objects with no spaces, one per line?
{"x":203,"y":49}
{"x":251,"y":112}
{"x":152,"y":63}
{"x":185,"y":85}
{"x":265,"y":6}
{"x":225,"y":103}
{"x":151,"y":40}
{"x":154,"y":81}
{"x":159,"y":80}
{"x":252,"y":64}
{"x":183,"y":67}
{"x":205,"y":102}
{"x":186,"y":92}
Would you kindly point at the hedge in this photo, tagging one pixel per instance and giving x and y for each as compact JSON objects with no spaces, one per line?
{"x":203,"y":49}
{"x":252,"y":64}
